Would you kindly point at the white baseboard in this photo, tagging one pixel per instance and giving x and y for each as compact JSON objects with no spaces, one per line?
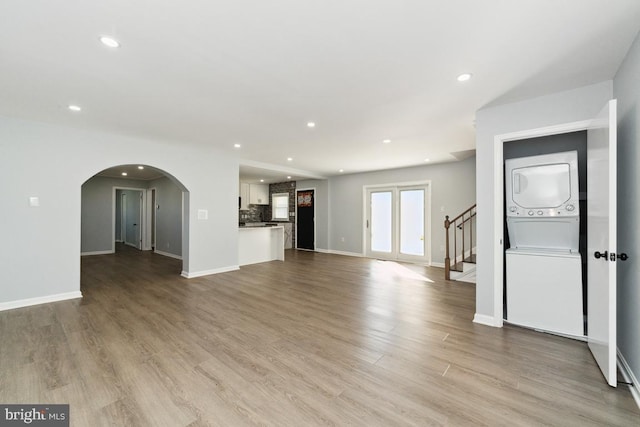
{"x":96,"y":253}
{"x":130,"y":244}
{"x":437,"y":264}
{"x":189,"y":275}
{"x":168,"y":254}
{"x":629,"y":377}
{"x":118,"y":241}
{"x":323,"y":251}
{"x":487,"y":320}
{"x":10,"y":305}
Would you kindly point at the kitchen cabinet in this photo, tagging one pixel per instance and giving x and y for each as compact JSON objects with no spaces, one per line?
{"x":258,"y":194}
{"x":244,"y":196}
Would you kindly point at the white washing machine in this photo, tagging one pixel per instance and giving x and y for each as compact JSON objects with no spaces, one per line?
{"x":543,"y":265}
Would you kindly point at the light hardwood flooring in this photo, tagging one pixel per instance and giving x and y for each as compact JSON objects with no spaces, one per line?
{"x":316,"y":340}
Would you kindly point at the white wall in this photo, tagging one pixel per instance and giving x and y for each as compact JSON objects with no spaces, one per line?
{"x":52,"y":162}
{"x":452,"y":187}
{"x":626,"y":88}
{"x":559,"y":108}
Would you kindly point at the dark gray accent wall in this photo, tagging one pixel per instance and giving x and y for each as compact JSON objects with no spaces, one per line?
{"x":626,"y":88}
{"x":284,"y":187}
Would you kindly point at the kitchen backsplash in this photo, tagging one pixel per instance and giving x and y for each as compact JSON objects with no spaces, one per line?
{"x":256,"y":213}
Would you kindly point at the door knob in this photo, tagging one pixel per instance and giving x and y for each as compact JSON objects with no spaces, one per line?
{"x":603,"y":255}
{"x":622,"y":257}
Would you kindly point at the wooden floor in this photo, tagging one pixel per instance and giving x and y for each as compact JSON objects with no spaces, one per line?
{"x":317,"y":340}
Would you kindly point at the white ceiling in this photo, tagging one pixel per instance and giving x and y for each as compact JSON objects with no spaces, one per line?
{"x":254,"y":72}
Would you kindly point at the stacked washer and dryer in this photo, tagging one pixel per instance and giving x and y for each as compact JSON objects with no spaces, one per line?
{"x":543,"y":263}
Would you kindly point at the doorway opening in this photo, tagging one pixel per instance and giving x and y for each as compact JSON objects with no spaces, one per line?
{"x":137,"y":206}
{"x":128,"y":217}
{"x":305,"y":219}
{"x":552,"y":144}
{"x":601,"y":231}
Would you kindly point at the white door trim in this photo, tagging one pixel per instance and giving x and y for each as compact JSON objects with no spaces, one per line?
{"x":498,"y":200}
{"x":314,"y":215}
{"x":113,"y":215}
{"x":150,"y":219}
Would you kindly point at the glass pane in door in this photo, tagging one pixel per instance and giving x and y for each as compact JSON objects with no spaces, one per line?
{"x":412,"y":222}
{"x":381,"y":221}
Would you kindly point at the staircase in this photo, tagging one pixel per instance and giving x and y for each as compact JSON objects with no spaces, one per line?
{"x":460,"y":257}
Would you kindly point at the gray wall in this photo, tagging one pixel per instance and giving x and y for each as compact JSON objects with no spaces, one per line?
{"x":452,"y":191}
{"x":559,"y":108}
{"x":97,"y":211}
{"x":168,"y":216}
{"x":322,"y":209}
{"x":52,"y":162}
{"x":626,"y":88}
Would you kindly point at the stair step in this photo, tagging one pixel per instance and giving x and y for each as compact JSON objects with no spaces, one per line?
{"x":470,"y":259}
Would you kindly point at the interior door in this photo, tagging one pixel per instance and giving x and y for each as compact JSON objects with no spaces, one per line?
{"x":133,"y":213}
{"x":601,"y":229}
{"x":305,"y":221}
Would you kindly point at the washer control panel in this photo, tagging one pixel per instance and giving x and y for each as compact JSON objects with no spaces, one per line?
{"x":570,"y":208}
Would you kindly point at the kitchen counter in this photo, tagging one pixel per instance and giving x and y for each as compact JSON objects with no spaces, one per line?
{"x":260,"y":243}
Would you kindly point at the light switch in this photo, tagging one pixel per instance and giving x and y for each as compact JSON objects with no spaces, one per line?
{"x":203,"y":214}
{"x":34,"y":202}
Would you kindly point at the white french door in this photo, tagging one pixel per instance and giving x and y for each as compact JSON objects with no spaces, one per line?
{"x":396,"y":223}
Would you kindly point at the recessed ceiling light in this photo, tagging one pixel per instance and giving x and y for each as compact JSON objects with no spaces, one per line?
{"x":236,"y":145}
{"x":386,"y":141}
{"x":289,"y":159}
{"x":341,"y":170}
{"x":124,"y":174}
{"x":140,"y":167}
{"x":426,"y":160}
{"x":262,"y":180}
{"x":464,"y":77}
{"x":289,"y":177}
{"x":311,"y":124}
{"x":74,"y":108}
{"x":109,"y":41}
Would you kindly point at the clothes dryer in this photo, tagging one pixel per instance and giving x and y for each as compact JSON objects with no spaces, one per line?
{"x":544,"y":267}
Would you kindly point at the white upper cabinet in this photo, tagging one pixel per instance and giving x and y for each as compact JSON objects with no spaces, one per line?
{"x":244,"y":196}
{"x":259,"y":194}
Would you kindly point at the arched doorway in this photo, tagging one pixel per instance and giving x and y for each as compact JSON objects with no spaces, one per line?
{"x":134,"y":205}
